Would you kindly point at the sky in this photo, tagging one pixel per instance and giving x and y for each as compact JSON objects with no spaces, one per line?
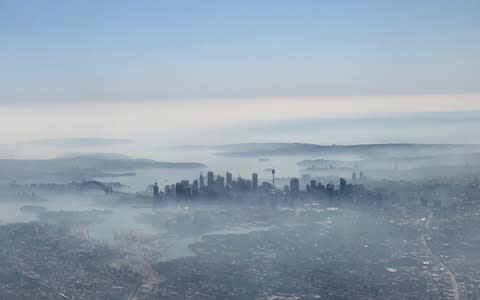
{"x":143,"y":69}
{"x":128,"y":50}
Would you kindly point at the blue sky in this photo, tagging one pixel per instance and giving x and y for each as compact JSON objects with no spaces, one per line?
{"x":76,"y":51}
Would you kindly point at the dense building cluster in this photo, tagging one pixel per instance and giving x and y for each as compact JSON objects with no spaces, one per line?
{"x":218,"y":185}
{"x":44,"y":262}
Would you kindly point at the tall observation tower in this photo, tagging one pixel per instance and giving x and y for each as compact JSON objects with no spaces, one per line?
{"x":156,"y":193}
{"x":273,"y":177}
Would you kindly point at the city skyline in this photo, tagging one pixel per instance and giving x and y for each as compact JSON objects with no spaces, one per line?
{"x":273,"y":149}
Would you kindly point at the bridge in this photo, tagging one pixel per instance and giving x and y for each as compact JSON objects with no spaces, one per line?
{"x":97,"y":184}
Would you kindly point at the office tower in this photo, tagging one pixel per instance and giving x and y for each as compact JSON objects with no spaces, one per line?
{"x":320,"y":186}
{"x":178,"y":190}
{"x":210,"y":180}
{"x":249,"y":184}
{"x":294,"y":186}
{"x":202,"y":181}
{"x":156,"y":194}
{"x":219,"y":183}
{"x":254,"y":181}
{"x":229,"y":179}
{"x":330,"y":189}
{"x":168,"y":190}
{"x":242,"y":184}
{"x":195,"y":189}
{"x":343,"y":184}
{"x":313,"y":185}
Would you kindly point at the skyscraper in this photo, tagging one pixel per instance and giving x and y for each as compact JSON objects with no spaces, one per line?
{"x":294,"y":186}
{"x":330,"y":189}
{"x":343,"y":184}
{"x":178,"y":190}
{"x":202,"y":181}
{"x":168,"y":190}
{"x":156,"y":194}
{"x":219,"y":184}
{"x":210,"y":180}
{"x":229,"y":179}
{"x":195,"y":189}
{"x":313,"y":185}
{"x":254,"y":181}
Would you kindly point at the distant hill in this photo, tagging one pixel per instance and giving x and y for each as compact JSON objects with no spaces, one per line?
{"x":121,"y":163}
{"x":79,"y":142}
{"x":406,"y":161}
{"x":96,"y":155}
{"x":364,"y":150}
{"x":81,"y":167}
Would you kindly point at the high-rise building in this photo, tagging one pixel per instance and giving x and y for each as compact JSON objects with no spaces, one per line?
{"x":210,"y":180}
{"x":242,"y":184}
{"x":195,"y":189}
{"x":330,"y":189}
{"x":361,"y":176}
{"x":343,"y":184}
{"x":219,"y":184}
{"x":320,"y":186}
{"x":229,"y":179}
{"x":313,"y":185}
{"x":178,"y":190}
{"x":255,"y":181}
{"x":294,"y":186}
{"x":183,"y":189}
{"x":202,"y":181}
{"x":168,"y":190}
{"x":156,"y":194}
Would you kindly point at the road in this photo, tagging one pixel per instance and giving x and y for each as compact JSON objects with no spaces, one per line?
{"x":131,"y":243}
{"x":453,"y":280}
{"x":150,"y":280}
